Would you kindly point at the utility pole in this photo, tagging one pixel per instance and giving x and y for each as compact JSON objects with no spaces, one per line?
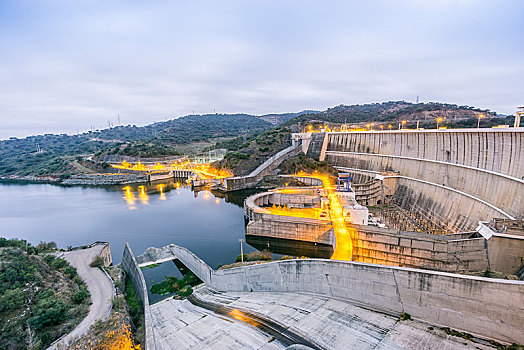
{"x":241,"y":252}
{"x":119,"y":119}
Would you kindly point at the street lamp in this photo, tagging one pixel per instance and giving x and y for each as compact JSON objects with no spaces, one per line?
{"x":390,"y":126}
{"x":438,"y":121}
{"x":403,"y":123}
{"x":241,"y":251}
{"x":478,"y":123}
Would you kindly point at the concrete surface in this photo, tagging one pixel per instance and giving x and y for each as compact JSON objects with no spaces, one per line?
{"x":178,"y":324}
{"x":99,"y":286}
{"x":336,"y":324}
{"x":485,"y":164}
{"x":491,"y":308}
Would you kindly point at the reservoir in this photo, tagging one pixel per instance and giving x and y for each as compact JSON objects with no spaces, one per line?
{"x":145,"y":216}
{"x":155,"y":215}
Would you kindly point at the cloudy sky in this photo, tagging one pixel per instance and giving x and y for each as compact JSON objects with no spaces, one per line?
{"x":69,"y":65}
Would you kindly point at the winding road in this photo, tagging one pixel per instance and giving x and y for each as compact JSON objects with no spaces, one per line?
{"x":100,"y":287}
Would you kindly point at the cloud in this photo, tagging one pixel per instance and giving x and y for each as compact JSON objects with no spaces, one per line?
{"x":72,"y":65}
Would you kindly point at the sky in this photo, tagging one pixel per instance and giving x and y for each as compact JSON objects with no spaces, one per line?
{"x":66,"y":66}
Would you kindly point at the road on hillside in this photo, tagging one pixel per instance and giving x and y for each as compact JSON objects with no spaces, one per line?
{"x":99,"y":286}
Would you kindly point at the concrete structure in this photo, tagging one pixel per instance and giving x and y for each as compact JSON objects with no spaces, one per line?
{"x":490,"y":308}
{"x":462,"y":176}
{"x":180,"y":325}
{"x":262,"y":222}
{"x":328,"y":323}
{"x":132,"y":269}
{"x":266,"y":168}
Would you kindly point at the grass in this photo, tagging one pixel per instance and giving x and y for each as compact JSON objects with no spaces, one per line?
{"x":179,"y":286}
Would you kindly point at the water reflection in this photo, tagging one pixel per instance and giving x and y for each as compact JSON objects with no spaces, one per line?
{"x":151,"y":192}
{"x":290,"y":247}
{"x":129,"y":197}
{"x":160,"y":188}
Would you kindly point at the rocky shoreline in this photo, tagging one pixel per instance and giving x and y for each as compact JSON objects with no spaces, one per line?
{"x":81,"y":179}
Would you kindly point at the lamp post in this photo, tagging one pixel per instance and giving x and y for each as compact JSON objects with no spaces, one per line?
{"x":403,"y":123}
{"x":478,"y":122}
{"x":241,"y":252}
{"x":438,"y":121}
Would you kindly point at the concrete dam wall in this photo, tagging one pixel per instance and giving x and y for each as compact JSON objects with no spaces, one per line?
{"x":486,"y":307}
{"x":480,"y":170}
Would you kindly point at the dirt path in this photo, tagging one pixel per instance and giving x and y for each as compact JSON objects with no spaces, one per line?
{"x":98,"y":284}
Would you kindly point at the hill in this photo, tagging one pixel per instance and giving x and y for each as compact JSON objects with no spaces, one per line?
{"x":392,"y":111}
{"x":41,"y":297}
{"x":249,"y":139}
{"x":61,"y":155}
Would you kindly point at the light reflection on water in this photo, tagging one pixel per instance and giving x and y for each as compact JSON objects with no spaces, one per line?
{"x":152,"y":215}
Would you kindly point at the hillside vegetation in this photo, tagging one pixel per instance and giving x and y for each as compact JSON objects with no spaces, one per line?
{"x":49,"y":154}
{"x":41,"y":297}
{"x":250,"y":140}
{"x":393,"y":111}
{"x":246,"y":154}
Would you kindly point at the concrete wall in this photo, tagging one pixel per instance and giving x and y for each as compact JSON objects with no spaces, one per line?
{"x":288,"y":227}
{"x":105,"y":254}
{"x":451,"y":253}
{"x":484,"y":164}
{"x":506,"y":253}
{"x":488,"y":186}
{"x":448,"y":208}
{"x":130,"y":266}
{"x":497,"y":150}
{"x":314,"y":148}
{"x":486,"y":307}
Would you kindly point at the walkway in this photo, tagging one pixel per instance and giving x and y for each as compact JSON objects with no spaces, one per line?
{"x":99,"y":286}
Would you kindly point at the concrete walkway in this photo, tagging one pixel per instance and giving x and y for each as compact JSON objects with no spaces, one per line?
{"x":178,"y":324}
{"x":99,"y":286}
{"x":335,"y":324}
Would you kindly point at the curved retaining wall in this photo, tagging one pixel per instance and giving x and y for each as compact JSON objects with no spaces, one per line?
{"x":130,"y":266}
{"x":486,"y":307}
{"x":486,"y":185}
{"x":263,"y":223}
{"x":498,"y":150}
{"x":479,"y":170}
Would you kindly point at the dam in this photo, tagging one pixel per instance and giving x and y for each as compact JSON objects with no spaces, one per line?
{"x":423,"y":223}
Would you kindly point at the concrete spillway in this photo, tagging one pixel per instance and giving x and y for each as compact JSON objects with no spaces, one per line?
{"x":490,"y":308}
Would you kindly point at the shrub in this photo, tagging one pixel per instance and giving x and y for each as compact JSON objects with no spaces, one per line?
{"x":59,"y":263}
{"x":97,"y":262}
{"x":12,"y":299}
{"x":70,"y":271}
{"x":80,"y":296}
{"x":49,"y":259}
{"x":49,"y":311}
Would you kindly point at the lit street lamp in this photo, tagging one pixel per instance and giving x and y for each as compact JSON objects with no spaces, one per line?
{"x":478,"y":123}
{"x":438,"y":121}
